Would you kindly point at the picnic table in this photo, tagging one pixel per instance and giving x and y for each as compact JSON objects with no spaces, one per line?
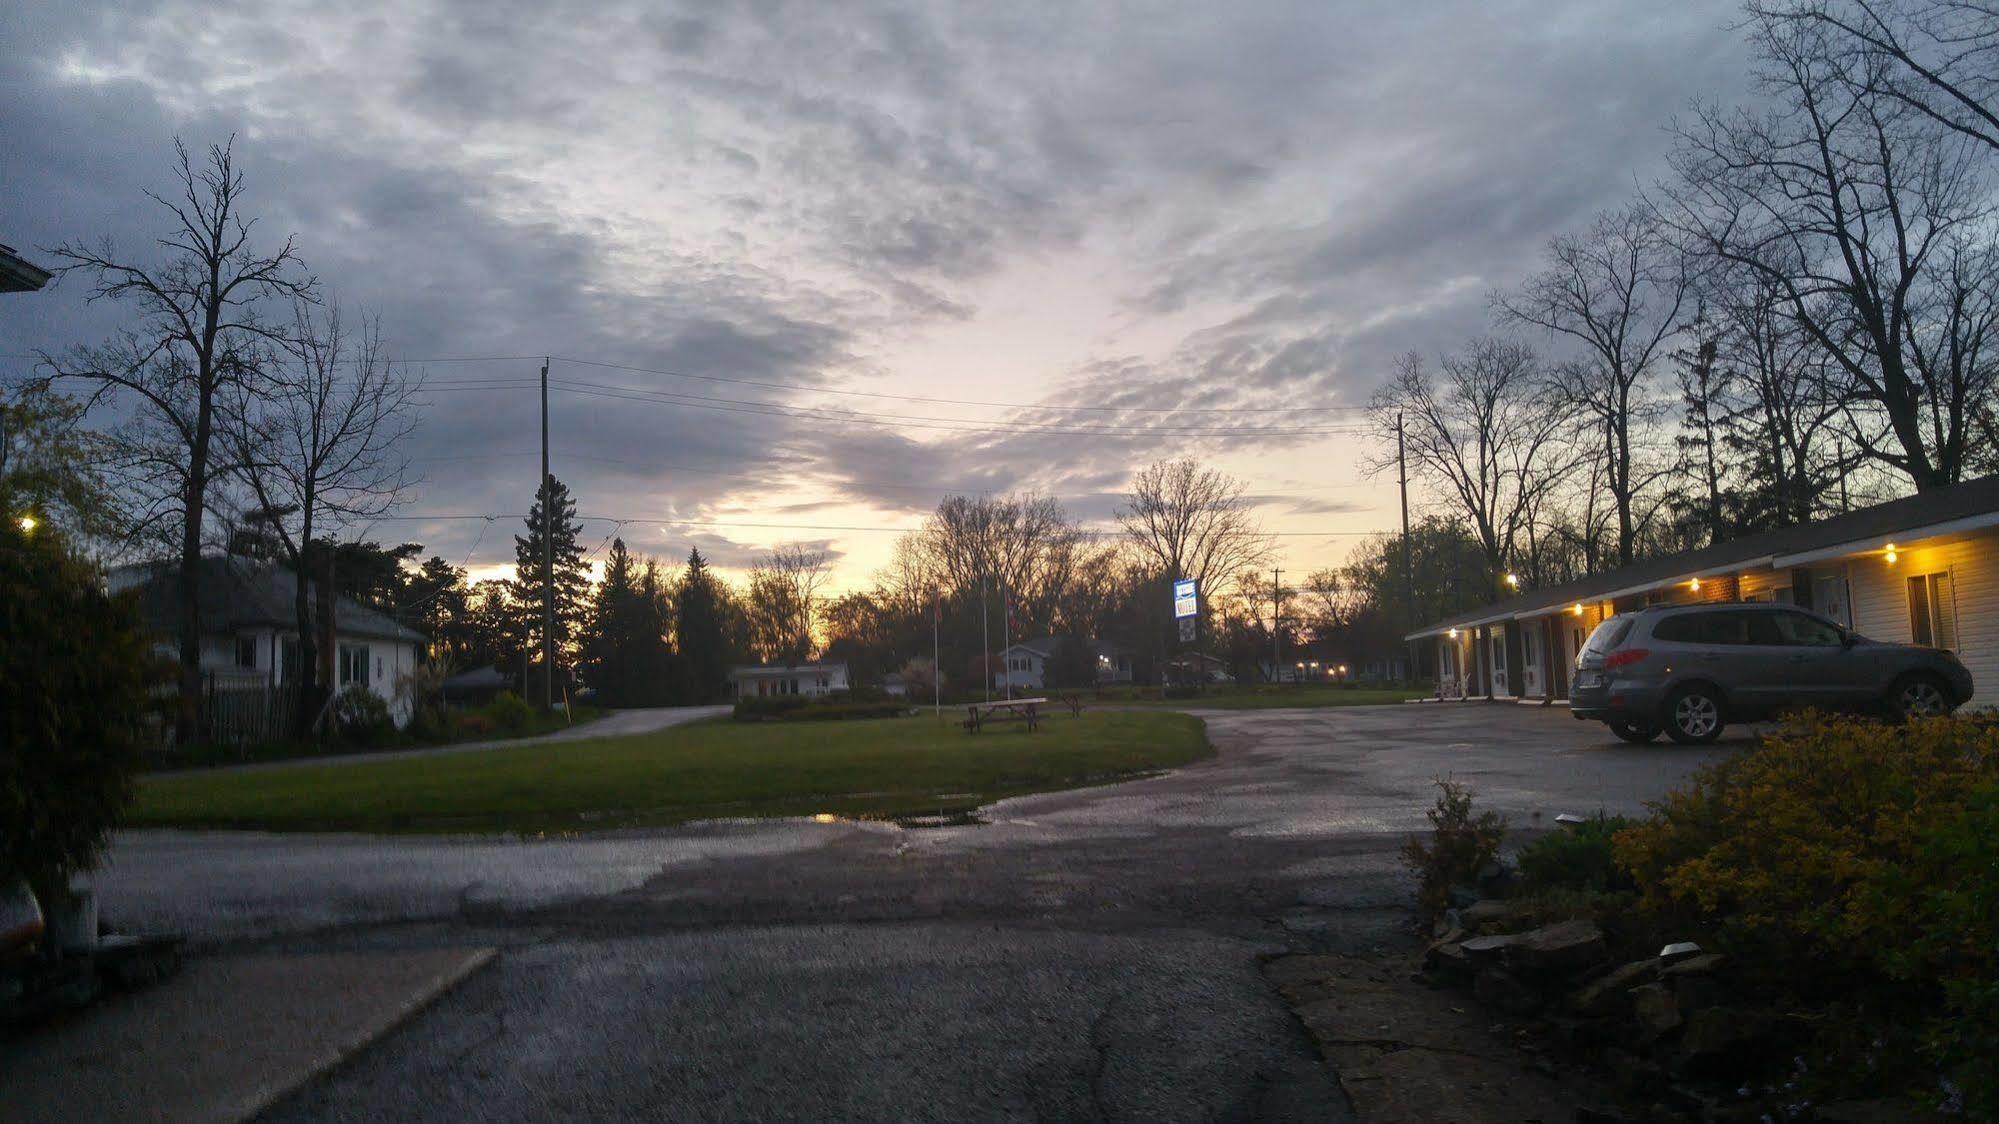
{"x":1003,"y":710}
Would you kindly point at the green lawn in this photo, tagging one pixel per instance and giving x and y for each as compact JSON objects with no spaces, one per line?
{"x":880,"y":768}
{"x":1270,"y":697}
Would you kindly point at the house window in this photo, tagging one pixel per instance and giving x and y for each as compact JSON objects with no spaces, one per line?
{"x":353,"y":664}
{"x":1829,"y":597}
{"x":1932,"y":611}
{"x":246,"y":651}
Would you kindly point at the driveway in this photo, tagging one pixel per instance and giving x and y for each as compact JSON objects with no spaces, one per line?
{"x":642,"y":720}
{"x":1082,"y":954}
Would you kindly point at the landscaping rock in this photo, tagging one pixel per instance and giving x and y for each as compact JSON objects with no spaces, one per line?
{"x":1678,"y":951}
{"x":1608,"y":994}
{"x":1703,"y":964}
{"x":1489,"y":950}
{"x":1655,"y":1011}
{"x":1633,"y":1076}
{"x":1448,"y":958}
{"x":1494,"y":879}
{"x":1485,"y":911}
{"x":1498,"y":988}
{"x":1463,"y":896}
{"x":1696,"y":993}
{"x":1726,"y":1042}
{"x":1449,"y":921}
{"x":1559,"y":950}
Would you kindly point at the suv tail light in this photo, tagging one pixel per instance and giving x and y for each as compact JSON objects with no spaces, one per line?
{"x":1624,"y":657}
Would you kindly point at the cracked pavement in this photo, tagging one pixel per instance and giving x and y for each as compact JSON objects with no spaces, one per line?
{"x":1090,"y":954}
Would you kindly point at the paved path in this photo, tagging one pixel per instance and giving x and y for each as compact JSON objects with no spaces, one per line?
{"x":614,"y":724}
{"x":1088,"y":954}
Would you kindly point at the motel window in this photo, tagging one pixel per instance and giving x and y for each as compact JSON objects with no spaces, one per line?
{"x":353,"y":664}
{"x":246,"y":651}
{"x":1932,"y":611}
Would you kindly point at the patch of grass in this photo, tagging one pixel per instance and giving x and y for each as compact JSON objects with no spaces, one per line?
{"x":882,"y":767}
{"x":1268,"y":696}
{"x":467,"y":726}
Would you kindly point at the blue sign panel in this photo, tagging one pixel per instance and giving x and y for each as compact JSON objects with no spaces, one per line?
{"x":1186,"y":598}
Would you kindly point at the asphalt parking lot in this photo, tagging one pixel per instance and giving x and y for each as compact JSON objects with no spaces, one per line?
{"x":1087,"y":954}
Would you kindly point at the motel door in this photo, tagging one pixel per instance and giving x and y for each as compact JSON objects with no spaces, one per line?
{"x":1530,"y":657}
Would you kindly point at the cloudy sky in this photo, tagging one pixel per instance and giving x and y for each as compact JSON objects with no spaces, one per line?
{"x":907,"y":248}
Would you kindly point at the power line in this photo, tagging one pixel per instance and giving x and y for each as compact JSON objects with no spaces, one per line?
{"x":944,"y":401}
{"x":769,"y":409}
{"x":1084,"y":531}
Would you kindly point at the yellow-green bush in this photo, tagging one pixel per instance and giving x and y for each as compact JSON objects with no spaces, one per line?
{"x":1844,"y":858}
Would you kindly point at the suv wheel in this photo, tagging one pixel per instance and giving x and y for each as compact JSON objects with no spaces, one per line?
{"x":1637,"y":732}
{"x":1693,"y":715}
{"x":1919,"y":696}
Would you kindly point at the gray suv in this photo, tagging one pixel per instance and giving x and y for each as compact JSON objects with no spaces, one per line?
{"x":1691,"y":669}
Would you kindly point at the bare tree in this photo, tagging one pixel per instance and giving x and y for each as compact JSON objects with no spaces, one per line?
{"x":1023,"y":545}
{"x":783,"y":602}
{"x":1186,"y":521}
{"x":1617,"y":290}
{"x":1939,"y":58}
{"x":198,"y":328}
{"x":1486,"y":435}
{"x":1871,"y":223}
{"x":318,"y":445}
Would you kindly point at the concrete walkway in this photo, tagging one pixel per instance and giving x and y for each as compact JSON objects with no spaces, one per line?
{"x":224,"y":1039}
{"x":618,"y":723}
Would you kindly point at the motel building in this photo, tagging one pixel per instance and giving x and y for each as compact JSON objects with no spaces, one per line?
{"x":1921,"y":570}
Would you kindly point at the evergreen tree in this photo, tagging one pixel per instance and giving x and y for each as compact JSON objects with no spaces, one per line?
{"x":572,"y":577}
{"x":704,"y":647}
{"x":623,"y":652}
{"x":437,"y":603}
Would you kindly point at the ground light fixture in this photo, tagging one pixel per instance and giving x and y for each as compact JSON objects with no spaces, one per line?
{"x":28,"y":523}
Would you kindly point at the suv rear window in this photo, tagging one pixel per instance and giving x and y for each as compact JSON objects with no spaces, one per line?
{"x":1722,"y":626}
{"x":1608,"y":635}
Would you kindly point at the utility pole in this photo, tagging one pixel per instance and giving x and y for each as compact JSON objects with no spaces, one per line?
{"x":547,"y":555}
{"x":986,"y":637}
{"x":1276,"y":628}
{"x":1408,"y":563}
{"x":1006,"y":631}
{"x":937,"y":654}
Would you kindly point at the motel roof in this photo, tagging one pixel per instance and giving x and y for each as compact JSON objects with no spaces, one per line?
{"x":1953,"y":509}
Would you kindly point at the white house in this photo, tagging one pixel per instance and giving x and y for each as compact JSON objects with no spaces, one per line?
{"x":1920,"y":570}
{"x":249,"y":630}
{"x":1025,"y":664}
{"x":767,"y":680}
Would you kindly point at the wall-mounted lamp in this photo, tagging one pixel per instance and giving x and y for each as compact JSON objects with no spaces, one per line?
{"x":1695,"y":585}
{"x":1576,"y":609}
{"x":1454,"y":634}
{"x":1891,"y":554}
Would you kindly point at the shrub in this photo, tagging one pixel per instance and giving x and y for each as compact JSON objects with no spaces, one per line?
{"x":1578,"y":858}
{"x":77,"y":667}
{"x":1848,"y":859}
{"x":362,"y":717}
{"x":759,"y":708}
{"x":473,"y":724}
{"x":803,"y":708}
{"x":1460,"y":843}
{"x":509,"y":712}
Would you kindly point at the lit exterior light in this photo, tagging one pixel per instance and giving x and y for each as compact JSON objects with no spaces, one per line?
{"x":1695,"y":585}
{"x":1454,"y":634}
{"x":28,"y":523}
{"x":1891,"y":554}
{"x":1513,"y":580}
{"x":825,"y":817}
{"x":1576,"y":608}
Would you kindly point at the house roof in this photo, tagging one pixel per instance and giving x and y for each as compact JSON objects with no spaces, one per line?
{"x":18,"y":274}
{"x":1044,"y":647}
{"x":1953,"y":509}
{"x":485,"y":678}
{"x":755,"y":669}
{"x":239,"y":593}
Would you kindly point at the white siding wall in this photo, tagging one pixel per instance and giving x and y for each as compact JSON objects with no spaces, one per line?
{"x":1881,"y":601}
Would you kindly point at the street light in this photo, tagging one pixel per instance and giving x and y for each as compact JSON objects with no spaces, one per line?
{"x":28,"y":523}
{"x":1513,"y":580}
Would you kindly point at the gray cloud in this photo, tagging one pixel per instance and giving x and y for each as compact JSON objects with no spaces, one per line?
{"x":1277,"y":199}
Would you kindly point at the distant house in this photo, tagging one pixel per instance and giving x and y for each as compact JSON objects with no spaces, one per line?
{"x":478,"y":686}
{"x":1921,"y":570}
{"x":1025,"y":665}
{"x":895,"y":685}
{"x":249,"y":631}
{"x":768,"y":680}
{"x":1198,"y":667}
